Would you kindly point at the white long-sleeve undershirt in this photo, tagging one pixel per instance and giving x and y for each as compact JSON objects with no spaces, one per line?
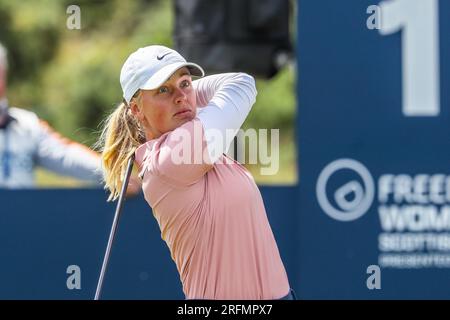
{"x":224,"y":101}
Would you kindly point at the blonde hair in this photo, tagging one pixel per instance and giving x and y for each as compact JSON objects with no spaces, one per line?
{"x":121,"y":135}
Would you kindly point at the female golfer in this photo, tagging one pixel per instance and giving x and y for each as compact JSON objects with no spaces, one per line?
{"x":208,"y":207}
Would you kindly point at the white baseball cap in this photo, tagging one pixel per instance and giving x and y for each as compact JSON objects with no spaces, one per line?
{"x":149,"y":67}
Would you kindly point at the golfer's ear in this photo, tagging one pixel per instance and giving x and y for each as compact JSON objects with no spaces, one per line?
{"x":135,"y":110}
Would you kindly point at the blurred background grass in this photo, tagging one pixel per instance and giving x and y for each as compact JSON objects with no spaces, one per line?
{"x":70,"y":77}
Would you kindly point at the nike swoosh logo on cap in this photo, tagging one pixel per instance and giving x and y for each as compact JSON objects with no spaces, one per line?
{"x":161,"y":57}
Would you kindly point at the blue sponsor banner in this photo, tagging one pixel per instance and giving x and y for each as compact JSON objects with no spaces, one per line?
{"x":374,"y":149}
{"x":52,"y":244}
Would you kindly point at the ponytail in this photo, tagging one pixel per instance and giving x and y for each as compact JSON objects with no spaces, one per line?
{"x":120,"y":137}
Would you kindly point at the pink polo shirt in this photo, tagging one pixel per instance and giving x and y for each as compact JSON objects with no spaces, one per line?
{"x":209,"y":209}
{"x":213,"y":219}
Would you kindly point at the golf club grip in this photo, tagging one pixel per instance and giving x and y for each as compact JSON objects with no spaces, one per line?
{"x":114,"y":227}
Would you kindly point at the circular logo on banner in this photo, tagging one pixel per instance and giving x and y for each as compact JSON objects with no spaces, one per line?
{"x":361,"y":201}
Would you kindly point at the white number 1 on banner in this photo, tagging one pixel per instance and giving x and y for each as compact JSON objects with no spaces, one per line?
{"x":418,"y":21}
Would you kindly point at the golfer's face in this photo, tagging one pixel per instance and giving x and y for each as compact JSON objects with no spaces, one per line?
{"x":171,"y":105}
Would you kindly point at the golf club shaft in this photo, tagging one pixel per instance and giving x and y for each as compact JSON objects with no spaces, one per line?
{"x":114,"y":227}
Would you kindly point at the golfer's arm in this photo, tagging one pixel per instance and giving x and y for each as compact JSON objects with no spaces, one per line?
{"x":228,"y":98}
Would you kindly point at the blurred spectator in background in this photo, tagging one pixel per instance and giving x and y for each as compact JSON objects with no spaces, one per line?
{"x":27,"y":142}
